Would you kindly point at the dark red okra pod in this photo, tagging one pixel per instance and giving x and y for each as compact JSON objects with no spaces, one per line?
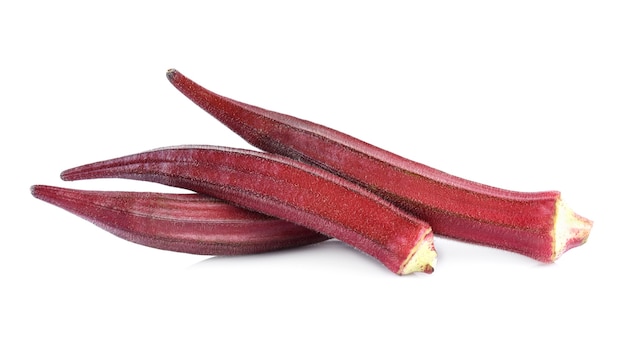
{"x":535,"y":224}
{"x":286,"y":189}
{"x":189,"y":223}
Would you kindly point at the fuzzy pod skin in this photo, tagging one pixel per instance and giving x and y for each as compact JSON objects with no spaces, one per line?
{"x":283,"y":188}
{"x":536,"y":224}
{"x":188,"y":223}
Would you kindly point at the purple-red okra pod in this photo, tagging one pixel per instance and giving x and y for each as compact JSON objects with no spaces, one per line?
{"x":290,"y":190}
{"x":535,"y":224}
{"x":189,"y":223}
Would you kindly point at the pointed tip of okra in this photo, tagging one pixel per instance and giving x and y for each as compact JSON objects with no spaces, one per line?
{"x":34,"y":189}
{"x":74,"y":174}
{"x":45,"y":193}
{"x":38,"y":190}
{"x":66,"y":175}
{"x":171,"y":73}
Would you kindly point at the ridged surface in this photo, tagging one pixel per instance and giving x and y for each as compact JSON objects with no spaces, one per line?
{"x":522,"y":222}
{"x":286,"y":189}
{"x":189,"y":223}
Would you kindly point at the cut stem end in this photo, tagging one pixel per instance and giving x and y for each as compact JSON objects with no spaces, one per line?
{"x":423,"y":257}
{"x":570,"y":230}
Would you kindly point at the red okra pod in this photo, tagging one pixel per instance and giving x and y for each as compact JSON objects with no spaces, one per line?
{"x":535,"y":224}
{"x":189,"y":223}
{"x":281,"y":187}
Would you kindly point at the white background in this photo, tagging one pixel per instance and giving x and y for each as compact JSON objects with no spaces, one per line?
{"x":528,"y":96}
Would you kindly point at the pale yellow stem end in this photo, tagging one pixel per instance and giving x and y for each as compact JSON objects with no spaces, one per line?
{"x":570,"y":230}
{"x":423,"y":257}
